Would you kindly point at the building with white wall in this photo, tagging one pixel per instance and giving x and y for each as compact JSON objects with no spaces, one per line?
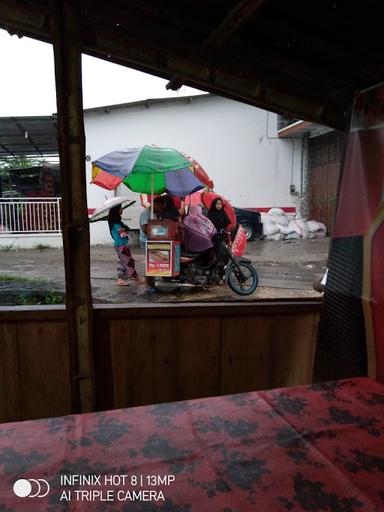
{"x":237,"y":144}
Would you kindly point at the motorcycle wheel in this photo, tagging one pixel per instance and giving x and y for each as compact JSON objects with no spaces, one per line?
{"x":244,"y":282}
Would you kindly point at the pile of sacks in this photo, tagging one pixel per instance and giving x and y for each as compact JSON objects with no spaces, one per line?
{"x":279,"y":226}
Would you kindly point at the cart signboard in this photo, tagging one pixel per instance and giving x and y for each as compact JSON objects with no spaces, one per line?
{"x":162,"y":259}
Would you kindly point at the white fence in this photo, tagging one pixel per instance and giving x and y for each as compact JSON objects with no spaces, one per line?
{"x":32,"y":215}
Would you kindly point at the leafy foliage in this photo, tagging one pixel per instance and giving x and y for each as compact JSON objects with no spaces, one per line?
{"x":31,"y":299}
{"x":19,"y":162}
{"x":16,"y":162}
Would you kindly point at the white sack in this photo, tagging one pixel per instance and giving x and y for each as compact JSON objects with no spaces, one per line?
{"x":322,"y":227}
{"x":277,"y":219}
{"x":269,"y":228}
{"x":274,"y":238}
{"x":285,"y":230}
{"x":302,"y":225}
{"x":292,"y":236}
{"x":313,"y":226}
{"x":276,"y":211}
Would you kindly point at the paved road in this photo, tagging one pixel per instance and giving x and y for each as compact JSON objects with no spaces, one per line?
{"x":285,"y":269}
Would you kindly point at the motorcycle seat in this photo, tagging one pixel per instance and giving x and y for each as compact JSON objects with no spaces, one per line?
{"x":189,"y":254}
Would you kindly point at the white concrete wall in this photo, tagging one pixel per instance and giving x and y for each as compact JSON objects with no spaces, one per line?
{"x":237,"y":145}
{"x":8,"y":242}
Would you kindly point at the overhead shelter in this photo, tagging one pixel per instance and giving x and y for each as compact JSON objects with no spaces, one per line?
{"x":300,"y":58}
{"x":32,"y":135}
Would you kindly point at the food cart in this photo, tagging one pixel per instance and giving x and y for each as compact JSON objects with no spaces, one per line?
{"x":162,"y":253}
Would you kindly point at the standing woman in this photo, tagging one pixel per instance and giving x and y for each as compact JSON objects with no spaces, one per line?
{"x":119,"y":232}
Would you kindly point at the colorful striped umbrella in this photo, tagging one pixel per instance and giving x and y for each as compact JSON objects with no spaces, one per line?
{"x":148,"y":170}
{"x":200,"y":173}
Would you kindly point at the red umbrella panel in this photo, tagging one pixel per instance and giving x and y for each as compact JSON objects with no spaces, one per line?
{"x":208,"y":197}
{"x":200,"y":173}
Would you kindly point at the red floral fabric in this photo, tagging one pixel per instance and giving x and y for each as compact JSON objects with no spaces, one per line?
{"x":307,"y":448}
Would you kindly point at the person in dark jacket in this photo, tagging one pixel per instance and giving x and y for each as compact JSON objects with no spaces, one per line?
{"x":169,"y":210}
{"x":217,"y":215}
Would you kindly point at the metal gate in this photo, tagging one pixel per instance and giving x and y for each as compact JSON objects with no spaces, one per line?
{"x":325,"y":156}
{"x":30,"y":215}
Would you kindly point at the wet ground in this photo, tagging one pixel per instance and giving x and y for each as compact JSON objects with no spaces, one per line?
{"x":286,"y":270}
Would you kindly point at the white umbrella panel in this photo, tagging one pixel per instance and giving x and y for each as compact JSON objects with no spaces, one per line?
{"x":101,"y":213}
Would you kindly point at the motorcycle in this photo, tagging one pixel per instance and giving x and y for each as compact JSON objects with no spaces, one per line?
{"x":213,"y":267}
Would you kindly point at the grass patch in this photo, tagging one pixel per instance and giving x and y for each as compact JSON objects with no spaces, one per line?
{"x":10,"y":278}
{"x":36,"y":299}
{"x":26,"y":291}
{"x":41,"y":247}
{"x":7,"y":247}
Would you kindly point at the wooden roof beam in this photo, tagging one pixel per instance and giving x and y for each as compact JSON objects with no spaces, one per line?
{"x":21,"y":18}
{"x":228,"y":78}
{"x":240,"y":14}
{"x":320,"y":47}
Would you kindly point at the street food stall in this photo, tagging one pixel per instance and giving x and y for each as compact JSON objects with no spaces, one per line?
{"x":154,"y":170}
{"x":162,"y":252}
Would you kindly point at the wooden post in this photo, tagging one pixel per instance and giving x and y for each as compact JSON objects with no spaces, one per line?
{"x":67,"y":52}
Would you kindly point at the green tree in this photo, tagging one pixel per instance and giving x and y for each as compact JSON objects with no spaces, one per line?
{"x":15,"y":162}
{"x":19,"y":162}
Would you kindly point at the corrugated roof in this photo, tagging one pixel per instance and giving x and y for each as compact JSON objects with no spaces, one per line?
{"x":32,"y":135}
{"x":149,"y":102}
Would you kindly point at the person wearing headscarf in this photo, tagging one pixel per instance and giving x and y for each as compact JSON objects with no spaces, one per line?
{"x":198,"y":231}
{"x":217,"y":215}
{"x":119,"y":233}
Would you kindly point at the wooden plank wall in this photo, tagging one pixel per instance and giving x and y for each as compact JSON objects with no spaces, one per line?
{"x":151,"y":354}
{"x":35,"y":376}
{"x":177,"y":352}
